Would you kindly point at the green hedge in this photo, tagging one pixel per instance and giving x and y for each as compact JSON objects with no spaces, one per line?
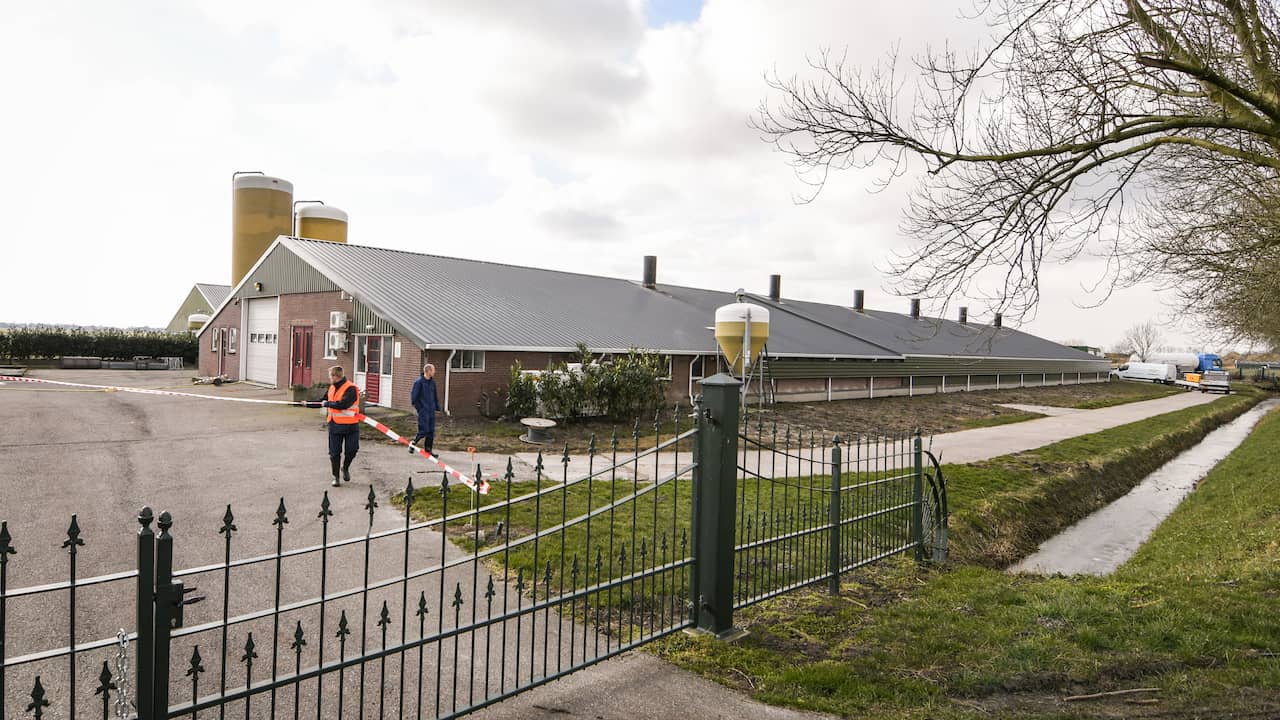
{"x":27,"y":343}
{"x":623,"y":387}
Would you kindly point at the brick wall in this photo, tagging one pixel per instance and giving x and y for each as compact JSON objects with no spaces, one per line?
{"x":470,"y":393}
{"x":207,"y":358}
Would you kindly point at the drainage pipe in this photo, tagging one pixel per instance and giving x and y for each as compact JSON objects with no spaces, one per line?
{"x":448,"y":364}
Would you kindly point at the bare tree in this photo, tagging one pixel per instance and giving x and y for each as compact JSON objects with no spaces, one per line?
{"x":1141,"y":340}
{"x":1144,"y":130}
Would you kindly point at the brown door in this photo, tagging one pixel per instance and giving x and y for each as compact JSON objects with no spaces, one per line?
{"x":373,"y":369}
{"x":301,"y":353}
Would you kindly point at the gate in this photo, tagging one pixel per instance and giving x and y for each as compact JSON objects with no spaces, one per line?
{"x":492,"y":596}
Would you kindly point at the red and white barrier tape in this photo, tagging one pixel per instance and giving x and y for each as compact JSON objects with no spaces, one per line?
{"x":482,"y":486}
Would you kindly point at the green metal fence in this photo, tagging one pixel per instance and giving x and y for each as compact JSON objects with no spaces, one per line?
{"x":492,"y":596}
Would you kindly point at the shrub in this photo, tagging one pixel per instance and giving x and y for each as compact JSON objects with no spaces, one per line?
{"x":623,"y":387}
{"x":522,"y":393}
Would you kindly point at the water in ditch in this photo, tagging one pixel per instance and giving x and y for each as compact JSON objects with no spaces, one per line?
{"x":1104,"y":540}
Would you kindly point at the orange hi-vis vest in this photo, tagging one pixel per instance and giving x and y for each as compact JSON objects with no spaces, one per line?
{"x":343,"y":417}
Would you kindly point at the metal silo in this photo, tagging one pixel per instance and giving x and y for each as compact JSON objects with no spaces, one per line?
{"x":261,"y":209}
{"x":322,"y":222}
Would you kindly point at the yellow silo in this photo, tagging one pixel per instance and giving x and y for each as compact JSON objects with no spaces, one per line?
{"x":261,"y":210}
{"x":738,"y":325}
{"x":322,"y":222}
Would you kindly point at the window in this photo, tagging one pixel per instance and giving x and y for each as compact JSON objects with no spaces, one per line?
{"x":213,"y":339}
{"x":695,"y":368}
{"x":232,"y":334}
{"x":468,"y":360}
{"x":388,"y":350}
{"x":664,"y":366}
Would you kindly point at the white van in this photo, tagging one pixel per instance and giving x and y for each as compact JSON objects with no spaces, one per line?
{"x":1153,"y":372}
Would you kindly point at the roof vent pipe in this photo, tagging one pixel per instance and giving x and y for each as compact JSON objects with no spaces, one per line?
{"x":775,"y":287}
{"x":915,"y":308}
{"x":858,"y":299}
{"x":964,"y":316}
{"x":651,"y":271}
{"x":999,"y":320}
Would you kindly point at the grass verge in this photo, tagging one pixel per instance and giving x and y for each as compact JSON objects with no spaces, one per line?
{"x":1003,"y":508}
{"x":1194,"y":615}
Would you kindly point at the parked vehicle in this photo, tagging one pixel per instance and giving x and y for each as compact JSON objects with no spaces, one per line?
{"x":1215,"y":381}
{"x":1185,"y":361}
{"x":1152,"y":372}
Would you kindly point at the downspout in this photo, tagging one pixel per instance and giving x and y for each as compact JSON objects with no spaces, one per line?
{"x":447,"y":365}
{"x":691,"y":362}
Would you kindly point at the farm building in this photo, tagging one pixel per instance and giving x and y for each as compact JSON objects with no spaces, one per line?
{"x":308,"y":304}
{"x":201,"y":301}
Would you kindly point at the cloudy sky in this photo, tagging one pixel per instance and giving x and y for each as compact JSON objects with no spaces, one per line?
{"x":569,"y":134}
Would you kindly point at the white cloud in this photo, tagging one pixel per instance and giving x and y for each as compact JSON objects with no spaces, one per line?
{"x":567,"y":134}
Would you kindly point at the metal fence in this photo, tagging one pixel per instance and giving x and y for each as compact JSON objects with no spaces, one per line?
{"x":494,"y":595}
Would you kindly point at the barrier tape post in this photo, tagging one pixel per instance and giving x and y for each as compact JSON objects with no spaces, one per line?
{"x":479,"y":484}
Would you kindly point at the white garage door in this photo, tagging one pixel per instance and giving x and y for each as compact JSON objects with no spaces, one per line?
{"x":261,"y":340}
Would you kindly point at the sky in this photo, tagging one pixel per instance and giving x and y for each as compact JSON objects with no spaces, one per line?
{"x":574,"y":135}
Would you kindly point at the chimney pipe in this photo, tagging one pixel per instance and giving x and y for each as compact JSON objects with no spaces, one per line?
{"x":775,"y":288}
{"x":999,"y":320}
{"x":964,"y":316}
{"x":858,"y":300}
{"x":915,"y":309}
{"x":651,"y":271}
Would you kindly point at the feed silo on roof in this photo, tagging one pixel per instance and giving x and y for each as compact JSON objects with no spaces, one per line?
{"x":322,"y":222}
{"x":261,"y":210}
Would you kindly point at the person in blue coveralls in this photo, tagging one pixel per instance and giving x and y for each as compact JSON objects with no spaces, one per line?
{"x":427,"y":402}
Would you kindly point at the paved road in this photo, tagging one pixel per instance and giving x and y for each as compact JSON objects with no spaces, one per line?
{"x":103,"y":455}
{"x":969,"y":446}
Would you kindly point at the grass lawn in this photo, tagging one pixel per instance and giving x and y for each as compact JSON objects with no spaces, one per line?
{"x":1195,"y":615}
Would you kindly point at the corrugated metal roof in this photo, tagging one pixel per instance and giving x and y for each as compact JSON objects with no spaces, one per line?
{"x":452,"y":302}
{"x":215,"y":294}
{"x":927,"y":336}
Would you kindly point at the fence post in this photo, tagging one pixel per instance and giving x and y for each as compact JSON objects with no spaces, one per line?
{"x":917,"y":495}
{"x":144,"y":662}
{"x":165,"y":615}
{"x":833,"y":519}
{"x":714,"y":506}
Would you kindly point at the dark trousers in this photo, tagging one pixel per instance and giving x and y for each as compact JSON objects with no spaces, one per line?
{"x":426,"y":430}
{"x":343,"y":437}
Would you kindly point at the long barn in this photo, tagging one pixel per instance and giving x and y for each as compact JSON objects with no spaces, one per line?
{"x":308,"y":304}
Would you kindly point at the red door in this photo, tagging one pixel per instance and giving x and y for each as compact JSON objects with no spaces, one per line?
{"x":373,"y":369}
{"x":301,"y":371}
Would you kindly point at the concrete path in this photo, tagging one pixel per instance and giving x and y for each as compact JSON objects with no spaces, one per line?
{"x":969,"y":446}
{"x":1046,"y":410}
{"x":633,"y":686}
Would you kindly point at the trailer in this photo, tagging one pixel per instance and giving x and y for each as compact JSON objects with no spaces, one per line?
{"x":1206,"y":382}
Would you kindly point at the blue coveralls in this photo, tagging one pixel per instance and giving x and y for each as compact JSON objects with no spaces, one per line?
{"x":426,"y":401}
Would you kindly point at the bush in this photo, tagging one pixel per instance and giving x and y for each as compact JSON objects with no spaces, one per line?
{"x":522,"y":393}
{"x":623,"y":387}
{"x":26,"y":343}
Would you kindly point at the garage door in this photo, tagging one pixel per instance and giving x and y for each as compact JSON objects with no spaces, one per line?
{"x":262,"y":340}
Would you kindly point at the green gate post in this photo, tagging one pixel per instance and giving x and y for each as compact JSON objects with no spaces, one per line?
{"x":917,"y":506}
{"x":144,"y":659}
{"x":714,"y":507}
{"x":833,"y":519}
{"x":165,"y":615}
